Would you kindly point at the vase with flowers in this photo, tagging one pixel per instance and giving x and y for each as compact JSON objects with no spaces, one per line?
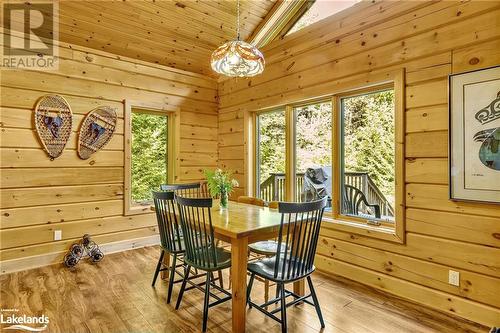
{"x":220,"y":184}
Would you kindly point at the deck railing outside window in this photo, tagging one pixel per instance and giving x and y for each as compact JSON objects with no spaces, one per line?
{"x":273,"y":189}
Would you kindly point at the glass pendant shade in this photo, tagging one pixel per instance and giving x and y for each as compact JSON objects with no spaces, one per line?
{"x":237,"y":59}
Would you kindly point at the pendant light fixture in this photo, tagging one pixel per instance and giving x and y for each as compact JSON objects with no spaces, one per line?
{"x":237,"y":58}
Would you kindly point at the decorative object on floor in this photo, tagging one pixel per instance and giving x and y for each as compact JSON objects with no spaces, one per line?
{"x":220,"y":184}
{"x":96,"y":130}
{"x":53,"y":123}
{"x":475,"y":135}
{"x":85,"y":247}
{"x":237,"y":58}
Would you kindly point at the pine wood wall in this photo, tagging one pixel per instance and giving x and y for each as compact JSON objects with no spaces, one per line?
{"x":78,"y":196}
{"x":430,"y":40}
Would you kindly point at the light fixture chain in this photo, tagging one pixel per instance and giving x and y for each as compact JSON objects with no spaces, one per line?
{"x":238,"y":19}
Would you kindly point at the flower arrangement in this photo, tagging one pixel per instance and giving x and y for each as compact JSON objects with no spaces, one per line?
{"x":220,"y":184}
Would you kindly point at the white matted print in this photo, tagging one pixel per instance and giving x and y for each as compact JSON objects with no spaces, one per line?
{"x":475,"y":135}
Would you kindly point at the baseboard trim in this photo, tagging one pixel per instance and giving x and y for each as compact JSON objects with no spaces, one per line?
{"x":22,"y":264}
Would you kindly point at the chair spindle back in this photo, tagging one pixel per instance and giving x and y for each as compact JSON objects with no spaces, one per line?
{"x":298,"y":233}
{"x":168,"y":227}
{"x":190,"y":190}
{"x":196,"y":223}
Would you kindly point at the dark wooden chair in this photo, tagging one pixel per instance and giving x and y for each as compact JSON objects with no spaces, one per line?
{"x":189,"y":190}
{"x":201,"y":250}
{"x":353,"y":198}
{"x":298,"y":234}
{"x":170,"y":237}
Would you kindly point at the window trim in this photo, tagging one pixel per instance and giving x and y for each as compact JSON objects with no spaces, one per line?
{"x":336,"y":221}
{"x":173,"y":126}
{"x":396,"y":232}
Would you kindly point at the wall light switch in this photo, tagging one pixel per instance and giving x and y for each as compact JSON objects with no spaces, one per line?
{"x":454,"y":278}
{"x":57,"y":234}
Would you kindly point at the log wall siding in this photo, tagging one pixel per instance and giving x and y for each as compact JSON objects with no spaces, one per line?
{"x":430,"y":40}
{"x":78,"y":196}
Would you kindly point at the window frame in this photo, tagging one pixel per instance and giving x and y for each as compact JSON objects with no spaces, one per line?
{"x":255,"y":177}
{"x":394,"y":232}
{"x":172,"y":162}
{"x":293,"y":141}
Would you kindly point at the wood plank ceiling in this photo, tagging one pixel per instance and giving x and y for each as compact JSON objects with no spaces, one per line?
{"x":177,"y":33}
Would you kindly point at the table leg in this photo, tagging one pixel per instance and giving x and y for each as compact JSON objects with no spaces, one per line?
{"x":239,"y":261}
{"x":166,"y":263}
{"x":299,"y":287}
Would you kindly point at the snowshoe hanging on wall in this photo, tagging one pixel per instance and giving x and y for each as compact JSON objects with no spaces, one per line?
{"x":53,"y":123}
{"x":96,"y":130}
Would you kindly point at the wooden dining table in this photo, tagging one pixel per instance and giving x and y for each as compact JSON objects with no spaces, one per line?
{"x":240,"y":225}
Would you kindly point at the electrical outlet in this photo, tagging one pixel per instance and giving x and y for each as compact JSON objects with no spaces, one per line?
{"x":57,"y":235}
{"x":454,"y":278}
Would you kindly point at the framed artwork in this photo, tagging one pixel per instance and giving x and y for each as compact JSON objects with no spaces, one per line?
{"x":474,"y":102}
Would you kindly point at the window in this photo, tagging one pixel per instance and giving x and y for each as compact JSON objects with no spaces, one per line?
{"x":271,"y":155}
{"x":367,"y":156}
{"x":320,"y":10}
{"x":149,"y":151}
{"x":149,"y":155}
{"x":313,"y":151}
{"x":347,"y":147}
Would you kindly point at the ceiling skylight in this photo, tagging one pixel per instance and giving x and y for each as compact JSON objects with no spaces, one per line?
{"x":320,"y":10}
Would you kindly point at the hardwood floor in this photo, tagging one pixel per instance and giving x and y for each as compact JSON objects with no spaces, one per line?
{"x":116,"y":296}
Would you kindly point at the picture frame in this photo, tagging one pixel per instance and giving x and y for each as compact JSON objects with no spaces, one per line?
{"x":474,"y":135}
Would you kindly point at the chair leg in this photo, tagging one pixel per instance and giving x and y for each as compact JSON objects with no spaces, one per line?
{"x":283,"y":307}
{"x":249,"y":289}
{"x":183,"y":286}
{"x":316,"y":302}
{"x":158,"y":267}
{"x":171,"y":278}
{"x":207,"y":299}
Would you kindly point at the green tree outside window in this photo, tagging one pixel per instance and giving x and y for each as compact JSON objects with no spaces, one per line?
{"x":149,"y":155}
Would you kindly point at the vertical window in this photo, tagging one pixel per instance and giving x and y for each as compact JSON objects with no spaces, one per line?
{"x":367,"y":156}
{"x":151,"y":133}
{"x":313,"y":151}
{"x":270,"y":148}
{"x":149,"y":155}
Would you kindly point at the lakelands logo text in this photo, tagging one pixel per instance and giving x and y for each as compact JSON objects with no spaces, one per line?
{"x":30,"y":35}
{"x":26,"y":323}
